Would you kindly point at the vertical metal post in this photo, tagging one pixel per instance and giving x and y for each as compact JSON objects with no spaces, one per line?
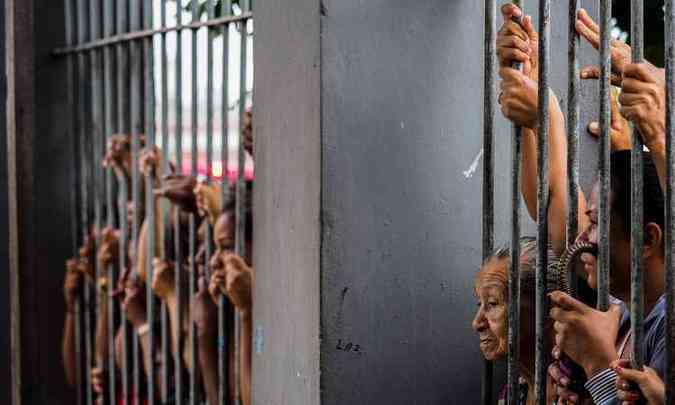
{"x":72,"y":79}
{"x":209,"y":127}
{"x":177,"y":226}
{"x":84,"y":170}
{"x":150,"y":214}
{"x":572,"y":130}
{"x":513,"y":368}
{"x":224,"y":307}
{"x":636,"y":225}
{"x":165,"y":220}
{"x":123,"y":114}
{"x":109,"y":100}
{"x":603,"y":159}
{"x":542,"y":202}
{"x":240,"y":229}
{"x":670,"y":203}
{"x":194,"y":156}
{"x":136,"y":128}
{"x":488,"y":165}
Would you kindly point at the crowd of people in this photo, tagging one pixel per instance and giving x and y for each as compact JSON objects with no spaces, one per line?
{"x":600,"y":343}
{"x":224,"y":275}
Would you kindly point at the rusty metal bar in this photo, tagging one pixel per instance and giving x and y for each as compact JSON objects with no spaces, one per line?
{"x":603,"y":158}
{"x":178,"y":375}
{"x":224,"y":307}
{"x":85,"y":154}
{"x":572,"y":229}
{"x":194,"y":156}
{"x":210,"y":8}
{"x":140,"y":34}
{"x":75,"y":226}
{"x":109,"y":100}
{"x":240,"y":226}
{"x":513,"y":355}
{"x":123,"y":126}
{"x":136,"y":129}
{"x":636,"y":225}
{"x":165,"y":335}
{"x":670,"y":202}
{"x":150,"y":214}
{"x":541,"y":310}
{"x":489,"y":101}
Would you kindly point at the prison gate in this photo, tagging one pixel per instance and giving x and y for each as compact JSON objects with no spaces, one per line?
{"x":112,"y":63}
{"x":637,"y":220}
{"x":358,"y":191}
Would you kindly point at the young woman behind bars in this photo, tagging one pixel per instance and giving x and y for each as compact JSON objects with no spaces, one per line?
{"x":592,"y":338}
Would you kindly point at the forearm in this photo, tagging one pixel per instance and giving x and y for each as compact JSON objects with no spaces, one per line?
{"x":171,"y":304}
{"x":102,"y":333}
{"x":245,"y":356}
{"x":144,"y":339}
{"x":657,"y":150}
{"x":68,"y":349}
{"x":208,"y":361}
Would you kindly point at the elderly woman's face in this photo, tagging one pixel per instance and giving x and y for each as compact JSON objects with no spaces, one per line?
{"x":491,"y":320}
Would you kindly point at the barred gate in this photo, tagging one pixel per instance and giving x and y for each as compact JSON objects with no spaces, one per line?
{"x":572,"y":118}
{"x":127,"y":75}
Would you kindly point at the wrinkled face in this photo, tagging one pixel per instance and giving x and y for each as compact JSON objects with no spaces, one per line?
{"x":619,"y":249}
{"x":491,"y":320}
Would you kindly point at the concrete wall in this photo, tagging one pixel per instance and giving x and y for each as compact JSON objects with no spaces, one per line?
{"x":286,"y":202}
{"x":400,"y":136}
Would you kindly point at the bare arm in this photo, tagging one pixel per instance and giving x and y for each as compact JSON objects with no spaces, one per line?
{"x":245,"y":355}
{"x":68,"y":349}
{"x":558,"y":204}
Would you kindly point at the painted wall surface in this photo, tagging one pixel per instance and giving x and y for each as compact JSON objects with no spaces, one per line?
{"x":401,"y":92}
{"x":286,"y":201}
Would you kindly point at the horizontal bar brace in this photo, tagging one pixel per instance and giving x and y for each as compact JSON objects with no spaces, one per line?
{"x":136,"y":35}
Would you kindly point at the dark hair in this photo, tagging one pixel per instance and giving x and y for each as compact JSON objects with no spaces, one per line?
{"x":653,"y":206}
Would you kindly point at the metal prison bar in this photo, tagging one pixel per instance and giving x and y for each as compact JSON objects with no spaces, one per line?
{"x":670,"y":201}
{"x":111,"y":81}
{"x":637,"y":305}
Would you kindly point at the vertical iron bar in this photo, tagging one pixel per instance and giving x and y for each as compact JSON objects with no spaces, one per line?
{"x":165,"y":220}
{"x":85,"y":156}
{"x":148,"y":79}
{"x":72,"y":80}
{"x":572,"y":131}
{"x":97,"y":142}
{"x":194,"y":156}
{"x":513,"y":356}
{"x":240,"y":243}
{"x":604,"y":168}
{"x":637,"y":283}
{"x":670,"y":203}
{"x":542,"y":202}
{"x":122,"y":56}
{"x":136,"y":128}
{"x":488,"y":165}
{"x":177,"y":226}
{"x":224,"y":307}
{"x":209,"y":127}
{"x":109,"y":100}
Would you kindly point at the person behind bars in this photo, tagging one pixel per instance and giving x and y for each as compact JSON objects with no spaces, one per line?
{"x":491,"y":320}
{"x":587,"y":336}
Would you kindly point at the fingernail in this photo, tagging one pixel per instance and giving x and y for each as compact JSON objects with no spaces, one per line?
{"x":593,"y":127}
